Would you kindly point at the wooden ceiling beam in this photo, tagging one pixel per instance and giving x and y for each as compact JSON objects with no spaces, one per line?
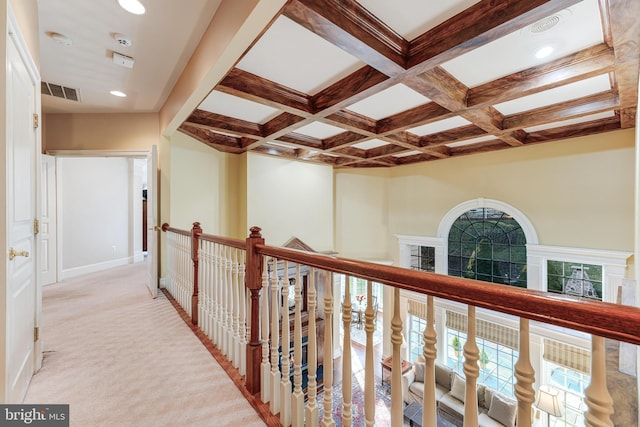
{"x":222,"y":123}
{"x":222,"y":143}
{"x":418,"y":116}
{"x":587,"y":63}
{"x":255,"y":88}
{"x":592,"y":104}
{"x":451,"y":135}
{"x":281,"y":122}
{"x":477,"y":26}
{"x":574,"y":130}
{"x":348,"y":25}
{"x":356,"y":86}
{"x":625,"y":33}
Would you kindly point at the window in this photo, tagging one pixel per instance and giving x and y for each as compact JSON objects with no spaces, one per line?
{"x":423,"y":258}
{"x":571,"y":385}
{"x":487,"y":244}
{"x":574,"y":278}
{"x":496,"y":361}
{"x":416,"y":340}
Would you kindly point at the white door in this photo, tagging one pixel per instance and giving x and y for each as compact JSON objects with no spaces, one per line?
{"x":22,"y":177}
{"x":152,"y":221}
{"x":47,"y":255}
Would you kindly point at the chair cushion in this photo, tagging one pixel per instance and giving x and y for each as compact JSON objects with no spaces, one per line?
{"x":443,"y":376}
{"x":458,"y":387}
{"x":419,"y":370}
{"x":417,"y":388}
{"x":503,"y":409}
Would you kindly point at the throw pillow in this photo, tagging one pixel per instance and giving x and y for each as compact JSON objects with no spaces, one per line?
{"x":443,"y":376}
{"x":503,"y":410}
{"x":458,"y":387}
{"x":419,"y":371}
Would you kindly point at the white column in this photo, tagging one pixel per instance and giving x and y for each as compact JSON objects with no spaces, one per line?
{"x":327,"y":419}
{"x":265,"y":366}
{"x":597,"y":395}
{"x":285,"y":382}
{"x":297,"y":399}
{"x":396,"y":370}
{"x":369,"y":386}
{"x":274,"y":405}
{"x":525,"y":376}
{"x":471,"y":371}
{"x":311,"y":411}
{"x":347,"y":417}
{"x":430,"y":353}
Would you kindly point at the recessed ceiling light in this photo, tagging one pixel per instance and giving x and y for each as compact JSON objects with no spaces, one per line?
{"x":60,"y":38}
{"x":118,"y":93}
{"x":544,"y":52}
{"x":132,"y":6}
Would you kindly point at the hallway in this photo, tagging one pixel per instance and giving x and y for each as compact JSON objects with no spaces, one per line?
{"x":118,"y":357}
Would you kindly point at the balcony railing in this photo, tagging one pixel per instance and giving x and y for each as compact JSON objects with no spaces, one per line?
{"x":238,"y":293}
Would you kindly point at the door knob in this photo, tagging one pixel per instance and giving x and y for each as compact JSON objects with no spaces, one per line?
{"x":13,"y":253}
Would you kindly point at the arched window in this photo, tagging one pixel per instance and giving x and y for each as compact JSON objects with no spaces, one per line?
{"x":490,"y":245}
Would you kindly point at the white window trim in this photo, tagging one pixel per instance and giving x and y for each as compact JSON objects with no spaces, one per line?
{"x":614,"y":265}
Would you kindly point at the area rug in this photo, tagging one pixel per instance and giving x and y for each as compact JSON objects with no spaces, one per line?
{"x":382,"y":404}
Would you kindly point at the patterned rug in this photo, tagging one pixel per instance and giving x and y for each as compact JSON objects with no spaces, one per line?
{"x":382,"y":405}
{"x":382,"y":408}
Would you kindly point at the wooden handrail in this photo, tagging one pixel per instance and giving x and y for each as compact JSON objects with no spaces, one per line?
{"x":226,"y":241}
{"x":618,"y":322}
{"x":166,"y":227}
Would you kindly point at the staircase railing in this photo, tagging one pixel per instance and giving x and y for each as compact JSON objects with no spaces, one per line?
{"x":252,"y":311}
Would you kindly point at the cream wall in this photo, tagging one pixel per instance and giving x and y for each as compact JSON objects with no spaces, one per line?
{"x":288,"y":198}
{"x":26,"y":13}
{"x":202,"y":186}
{"x":362,"y":215}
{"x":119,"y":132}
{"x":577,"y":192}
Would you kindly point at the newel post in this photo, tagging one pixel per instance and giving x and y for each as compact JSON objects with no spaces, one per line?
{"x":196,"y":231}
{"x":253,"y":283}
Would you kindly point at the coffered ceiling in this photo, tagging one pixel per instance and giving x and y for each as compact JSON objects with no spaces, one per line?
{"x":374,"y":83}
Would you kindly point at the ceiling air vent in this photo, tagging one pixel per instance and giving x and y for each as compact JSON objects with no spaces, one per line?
{"x":59,"y":91}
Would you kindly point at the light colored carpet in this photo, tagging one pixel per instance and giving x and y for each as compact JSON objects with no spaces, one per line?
{"x":121,"y":358}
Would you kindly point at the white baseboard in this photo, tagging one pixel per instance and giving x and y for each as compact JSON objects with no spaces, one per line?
{"x":138,"y":257}
{"x":163,"y":283}
{"x":94,"y":268}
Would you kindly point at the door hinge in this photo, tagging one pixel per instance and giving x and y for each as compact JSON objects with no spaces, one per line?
{"x":36,"y":226}
{"x":36,"y":121}
{"x":36,"y":334}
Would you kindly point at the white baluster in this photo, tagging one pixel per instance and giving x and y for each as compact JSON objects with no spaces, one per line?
{"x":265,"y":367}
{"x":204,"y":287}
{"x":597,"y":397}
{"x":236,"y":307}
{"x":327,"y":419}
{"x":471,"y":371}
{"x":243,"y":310}
{"x":525,"y":376}
{"x":347,"y":416}
{"x":430,"y":353}
{"x":216,"y":295}
{"x":274,"y":405}
{"x":311,"y":411}
{"x":229,"y":301}
{"x":396,"y":370}
{"x":369,"y":386}
{"x":285,"y":383}
{"x":297,"y":399}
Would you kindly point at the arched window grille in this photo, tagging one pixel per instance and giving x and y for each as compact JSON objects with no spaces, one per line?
{"x":489,"y":245}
